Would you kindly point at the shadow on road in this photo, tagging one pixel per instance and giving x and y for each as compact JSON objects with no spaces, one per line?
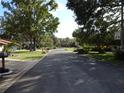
{"x":63,"y":72}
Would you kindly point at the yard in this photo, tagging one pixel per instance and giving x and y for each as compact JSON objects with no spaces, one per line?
{"x":26,"y":55}
{"x":70,"y":49}
{"x":107,"y":57}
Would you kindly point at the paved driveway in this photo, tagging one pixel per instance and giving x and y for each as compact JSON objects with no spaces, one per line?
{"x":64,"y":72}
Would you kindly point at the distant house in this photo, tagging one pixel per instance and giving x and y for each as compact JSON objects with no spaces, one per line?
{"x":3,"y":43}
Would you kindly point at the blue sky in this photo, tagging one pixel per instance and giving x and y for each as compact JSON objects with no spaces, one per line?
{"x":67,"y":24}
{"x":1,"y":10}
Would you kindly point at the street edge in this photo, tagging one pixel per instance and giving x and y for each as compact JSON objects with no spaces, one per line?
{"x":19,"y":75}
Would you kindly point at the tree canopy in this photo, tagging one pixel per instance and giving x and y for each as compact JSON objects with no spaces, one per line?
{"x":27,"y":20}
{"x":98,"y":19}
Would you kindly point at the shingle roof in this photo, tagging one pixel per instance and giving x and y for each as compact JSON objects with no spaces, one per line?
{"x":4,"y":42}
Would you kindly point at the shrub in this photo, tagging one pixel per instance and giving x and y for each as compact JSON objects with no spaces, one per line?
{"x":76,"y":50}
{"x":44,"y":51}
{"x":47,"y":48}
{"x":102,"y":49}
{"x":8,"y":49}
{"x":82,"y":51}
{"x":54,"y":47}
{"x":98,"y":49}
{"x":119,"y":54}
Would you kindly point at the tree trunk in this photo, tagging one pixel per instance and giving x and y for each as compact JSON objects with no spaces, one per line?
{"x":31,"y":46}
{"x":34,"y":46}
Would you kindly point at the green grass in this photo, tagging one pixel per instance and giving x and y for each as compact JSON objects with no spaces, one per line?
{"x":107,"y":57}
{"x":69,"y":49}
{"x":102,"y":57}
{"x":26,"y":55}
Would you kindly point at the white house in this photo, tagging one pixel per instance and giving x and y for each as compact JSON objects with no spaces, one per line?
{"x":3,"y":43}
{"x":1,"y":48}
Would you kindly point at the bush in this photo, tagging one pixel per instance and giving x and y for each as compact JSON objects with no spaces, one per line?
{"x":119,"y":54}
{"x":48,"y":48}
{"x":82,"y":51}
{"x":44,"y":52}
{"x":8,"y":49}
{"x":102,"y":49}
{"x":54,"y":47}
{"x":99,"y":49}
{"x":76,"y":50}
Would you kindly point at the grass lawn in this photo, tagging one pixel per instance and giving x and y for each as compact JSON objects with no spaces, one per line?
{"x":69,"y":49}
{"x":107,"y":57}
{"x":26,"y":55}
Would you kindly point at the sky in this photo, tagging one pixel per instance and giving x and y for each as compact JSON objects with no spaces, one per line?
{"x":1,"y":10}
{"x":66,"y":18}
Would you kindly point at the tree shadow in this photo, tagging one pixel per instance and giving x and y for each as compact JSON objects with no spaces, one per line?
{"x":59,"y":72}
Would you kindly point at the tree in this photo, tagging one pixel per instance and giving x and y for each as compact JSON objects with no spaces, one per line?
{"x":67,"y":42}
{"x":27,"y":20}
{"x":1,"y":23}
{"x":88,"y":10}
{"x":96,"y":19}
{"x":56,"y":41}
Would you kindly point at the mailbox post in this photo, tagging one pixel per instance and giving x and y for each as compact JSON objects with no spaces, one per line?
{"x":3,"y":55}
{"x":3,"y":64}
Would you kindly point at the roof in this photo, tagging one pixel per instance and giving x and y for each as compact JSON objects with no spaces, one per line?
{"x":4,"y":42}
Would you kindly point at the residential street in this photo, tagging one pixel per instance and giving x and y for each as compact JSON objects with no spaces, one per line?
{"x":66,"y":72}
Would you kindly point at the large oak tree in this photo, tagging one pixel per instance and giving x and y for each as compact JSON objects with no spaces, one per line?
{"x":27,"y":20}
{"x":96,"y":18}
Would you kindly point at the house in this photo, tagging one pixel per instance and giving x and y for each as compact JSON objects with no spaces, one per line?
{"x":3,"y":43}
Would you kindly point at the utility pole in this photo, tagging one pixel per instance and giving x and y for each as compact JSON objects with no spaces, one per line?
{"x":122,"y":25}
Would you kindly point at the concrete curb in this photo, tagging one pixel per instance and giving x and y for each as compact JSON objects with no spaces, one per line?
{"x":6,"y":73}
{"x":20,"y":74}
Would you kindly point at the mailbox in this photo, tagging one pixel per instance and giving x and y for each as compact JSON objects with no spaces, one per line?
{"x":3,"y":54}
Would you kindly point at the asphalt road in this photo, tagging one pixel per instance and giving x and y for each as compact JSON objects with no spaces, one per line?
{"x":64,"y":72}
